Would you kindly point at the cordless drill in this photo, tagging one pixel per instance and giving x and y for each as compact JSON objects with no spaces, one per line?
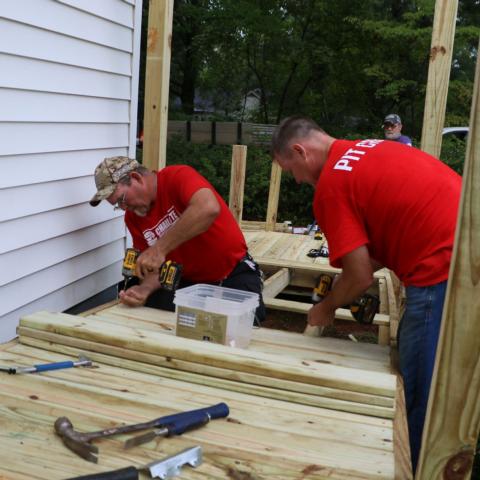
{"x":322,"y":288}
{"x":169,"y":274}
{"x":363,"y":309}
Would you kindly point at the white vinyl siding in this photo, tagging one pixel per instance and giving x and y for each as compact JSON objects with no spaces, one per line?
{"x":68,"y":88}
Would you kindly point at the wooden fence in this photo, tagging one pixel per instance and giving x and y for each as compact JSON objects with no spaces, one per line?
{"x":222,"y":133}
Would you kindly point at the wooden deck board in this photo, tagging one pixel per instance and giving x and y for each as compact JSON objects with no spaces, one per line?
{"x":210,"y":355}
{"x":264,"y":438}
{"x":325,"y":350}
{"x":327,"y":415}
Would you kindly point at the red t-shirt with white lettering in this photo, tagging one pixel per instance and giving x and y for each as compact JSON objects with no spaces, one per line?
{"x":397,"y":200}
{"x":208,"y":257}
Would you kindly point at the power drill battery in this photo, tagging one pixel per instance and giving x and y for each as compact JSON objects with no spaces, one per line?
{"x":170,"y":274}
{"x":322,"y":288}
{"x":129,"y":262}
{"x":365,"y":308}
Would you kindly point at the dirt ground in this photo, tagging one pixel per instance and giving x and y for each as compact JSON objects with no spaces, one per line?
{"x":296,"y":322}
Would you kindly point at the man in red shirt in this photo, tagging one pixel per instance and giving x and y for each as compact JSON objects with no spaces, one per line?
{"x":175,"y":214}
{"x":381,"y":204}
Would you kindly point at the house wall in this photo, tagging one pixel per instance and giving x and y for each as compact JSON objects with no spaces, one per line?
{"x":68,"y":90}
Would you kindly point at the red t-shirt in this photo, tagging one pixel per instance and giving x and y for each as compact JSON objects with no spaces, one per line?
{"x":397,"y":200}
{"x":208,"y":257}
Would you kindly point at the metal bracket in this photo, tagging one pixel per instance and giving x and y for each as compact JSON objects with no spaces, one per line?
{"x":170,"y":467}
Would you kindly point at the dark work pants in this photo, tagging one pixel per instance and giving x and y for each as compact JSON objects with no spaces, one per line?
{"x":245,"y":276}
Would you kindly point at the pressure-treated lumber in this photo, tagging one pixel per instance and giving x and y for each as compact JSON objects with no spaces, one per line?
{"x":301,"y":307}
{"x":237,"y":181}
{"x":441,"y":51}
{"x":261,"y":438}
{"x":393,"y":310}
{"x":252,"y":225}
{"x":383,"y":330}
{"x":157,"y":74}
{"x":276,"y":283}
{"x":453,"y":417}
{"x":326,"y":350}
{"x":300,"y":267}
{"x":403,"y":463}
{"x":294,"y":392}
{"x":201,"y":353}
{"x":273,"y":196}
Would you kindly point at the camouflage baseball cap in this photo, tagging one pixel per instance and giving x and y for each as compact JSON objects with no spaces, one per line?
{"x":392,"y":118}
{"x":107,"y":175}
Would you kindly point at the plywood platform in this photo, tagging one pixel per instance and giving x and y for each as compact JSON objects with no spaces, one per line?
{"x":289,"y":398}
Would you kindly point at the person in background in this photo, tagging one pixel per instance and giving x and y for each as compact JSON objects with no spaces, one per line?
{"x":392,"y":127}
{"x":176,"y":214}
{"x":381,"y":204}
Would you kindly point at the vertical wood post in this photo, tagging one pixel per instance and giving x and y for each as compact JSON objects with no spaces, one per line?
{"x":157,"y":79}
{"x":273,"y":196}
{"x":237,"y":181}
{"x":438,"y":75}
{"x":453,"y":417}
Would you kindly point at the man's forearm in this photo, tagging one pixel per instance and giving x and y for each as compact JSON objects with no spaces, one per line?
{"x":150,"y":282}
{"x":188,"y":226}
{"x":344,"y":292}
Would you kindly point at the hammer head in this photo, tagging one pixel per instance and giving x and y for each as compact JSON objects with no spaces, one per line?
{"x":75,"y":441}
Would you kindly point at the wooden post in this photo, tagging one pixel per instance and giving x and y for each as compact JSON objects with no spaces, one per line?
{"x":438,"y":75}
{"x":157,"y":79}
{"x":273,"y":195}
{"x":453,"y":417}
{"x":237,"y":181}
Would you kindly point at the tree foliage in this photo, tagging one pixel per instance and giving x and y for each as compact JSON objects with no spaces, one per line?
{"x":345,"y":63}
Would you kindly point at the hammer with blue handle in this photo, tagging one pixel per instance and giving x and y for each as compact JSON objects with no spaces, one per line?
{"x":83,"y":361}
{"x":175,"y":424}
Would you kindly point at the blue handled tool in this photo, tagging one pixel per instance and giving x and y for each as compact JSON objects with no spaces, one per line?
{"x":180,"y":423}
{"x":176,"y":424}
{"x":45,"y":367}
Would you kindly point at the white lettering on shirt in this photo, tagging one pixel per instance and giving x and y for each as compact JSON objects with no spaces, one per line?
{"x":354,"y":155}
{"x":151,"y":235}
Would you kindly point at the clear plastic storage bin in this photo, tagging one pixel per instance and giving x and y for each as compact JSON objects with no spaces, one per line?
{"x":216,"y":314}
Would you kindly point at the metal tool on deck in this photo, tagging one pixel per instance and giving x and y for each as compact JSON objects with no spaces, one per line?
{"x":83,"y":361}
{"x":166,"y":468}
{"x":175,"y":424}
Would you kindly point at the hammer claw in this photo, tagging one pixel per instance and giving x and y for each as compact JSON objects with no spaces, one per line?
{"x":84,"y":449}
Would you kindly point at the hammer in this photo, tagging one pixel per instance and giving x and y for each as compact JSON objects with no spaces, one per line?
{"x":174,"y":424}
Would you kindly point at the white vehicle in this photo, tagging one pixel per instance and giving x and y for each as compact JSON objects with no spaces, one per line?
{"x":459,"y":132}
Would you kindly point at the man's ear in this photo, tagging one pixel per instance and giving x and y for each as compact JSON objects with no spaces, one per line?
{"x":299,"y":149}
{"x":136,"y":176}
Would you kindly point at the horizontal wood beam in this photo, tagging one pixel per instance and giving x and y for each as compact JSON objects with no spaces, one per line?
{"x":171,"y":350}
{"x":314,"y":269}
{"x":377,"y":406}
{"x":249,"y":225}
{"x":276,"y":283}
{"x":301,"y":307}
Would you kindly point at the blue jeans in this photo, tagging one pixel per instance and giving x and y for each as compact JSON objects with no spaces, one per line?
{"x":417,"y":344}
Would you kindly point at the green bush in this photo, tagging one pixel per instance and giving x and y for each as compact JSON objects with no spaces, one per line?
{"x":453,"y":152}
{"x":214,"y":163}
{"x":295,"y":203}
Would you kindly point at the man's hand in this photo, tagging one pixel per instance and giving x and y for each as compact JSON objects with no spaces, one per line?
{"x":356,"y":277}
{"x":321,"y":315}
{"x":149,"y":261}
{"x":135,"y":296}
